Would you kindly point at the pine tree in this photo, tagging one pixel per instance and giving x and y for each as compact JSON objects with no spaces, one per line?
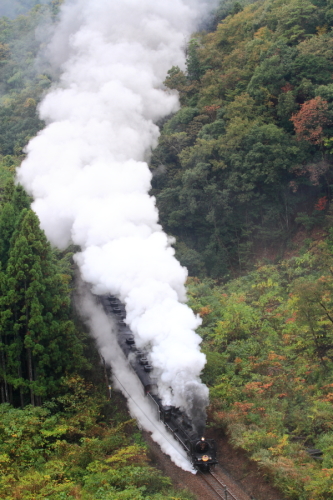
{"x":14,"y":200}
{"x":8,"y":219}
{"x":40,"y":340}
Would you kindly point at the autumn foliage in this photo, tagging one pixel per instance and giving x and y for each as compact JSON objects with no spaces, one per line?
{"x":321,"y":203}
{"x":310,"y":120}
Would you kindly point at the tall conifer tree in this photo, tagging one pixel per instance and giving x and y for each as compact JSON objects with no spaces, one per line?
{"x":40,"y":339}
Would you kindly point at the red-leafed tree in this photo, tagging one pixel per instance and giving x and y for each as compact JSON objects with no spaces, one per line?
{"x":310,"y":120}
{"x":321,"y":203}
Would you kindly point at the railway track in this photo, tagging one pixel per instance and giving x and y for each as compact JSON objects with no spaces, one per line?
{"x":220,"y":489}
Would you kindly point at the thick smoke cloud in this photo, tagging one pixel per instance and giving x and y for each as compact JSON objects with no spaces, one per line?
{"x":104,"y":331}
{"x":87,"y":172}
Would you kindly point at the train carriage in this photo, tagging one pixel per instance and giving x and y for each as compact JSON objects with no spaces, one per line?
{"x":201,"y":451}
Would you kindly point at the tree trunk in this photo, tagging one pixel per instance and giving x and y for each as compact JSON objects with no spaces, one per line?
{"x":31,"y":378}
{"x":19,"y":373}
{"x":21,"y":398}
{"x":3,"y":363}
{"x":38,"y":399}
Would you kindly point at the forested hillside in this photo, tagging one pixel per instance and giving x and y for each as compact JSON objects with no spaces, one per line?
{"x":268,"y":337}
{"x":243,"y":179}
{"x":246,"y":162}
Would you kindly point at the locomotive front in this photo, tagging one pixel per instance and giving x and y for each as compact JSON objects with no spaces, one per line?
{"x":203,"y":454}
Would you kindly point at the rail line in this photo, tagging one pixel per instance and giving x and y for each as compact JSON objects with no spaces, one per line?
{"x":219,"y":488}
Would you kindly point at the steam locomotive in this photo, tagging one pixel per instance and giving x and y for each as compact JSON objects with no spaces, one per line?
{"x":201,"y":451}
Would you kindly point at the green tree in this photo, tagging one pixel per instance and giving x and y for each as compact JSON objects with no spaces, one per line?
{"x":193,"y":65}
{"x":41,"y":343}
{"x":14,"y":201}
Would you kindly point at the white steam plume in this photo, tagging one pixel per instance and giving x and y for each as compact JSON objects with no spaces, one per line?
{"x":104,"y":331}
{"x":87,"y":173}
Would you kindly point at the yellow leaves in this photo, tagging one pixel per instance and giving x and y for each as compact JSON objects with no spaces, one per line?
{"x":4,"y":461}
{"x":263,"y":33}
{"x":236,"y":59}
{"x":57,"y":431}
{"x":97,"y":466}
{"x":320,"y":45}
{"x":281,"y":446}
{"x":235,"y":29}
{"x":237,"y":128}
{"x":30,"y":103}
{"x":243,"y":106}
{"x":4,"y":51}
{"x":322,"y":30}
{"x":218,"y":165}
{"x":122,"y":427}
{"x":202,"y":150}
{"x":65,"y":279}
{"x":265,"y":285}
{"x":130,"y":454}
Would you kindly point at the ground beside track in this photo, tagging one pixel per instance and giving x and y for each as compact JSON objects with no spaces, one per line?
{"x":234,"y":463}
{"x":241,"y":476}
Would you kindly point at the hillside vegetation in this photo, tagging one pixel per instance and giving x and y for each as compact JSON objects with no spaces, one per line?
{"x":268,"y":337}
{"x":246,"y":161}
{"x":242,"y":178}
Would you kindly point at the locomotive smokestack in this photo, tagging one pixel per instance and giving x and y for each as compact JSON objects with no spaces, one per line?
{"x":87,"y":172}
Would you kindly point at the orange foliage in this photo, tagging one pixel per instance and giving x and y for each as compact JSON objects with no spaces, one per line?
{"x":321,"y":203}
{"x":243,"y":407}
{"x":328,"y":398}
{"x":310,"y":119}
{"x":287,"y":88}
{"x":204,"y":311}
{"x":272,"y":355}
{"x":292,"y":319}
{"x":257,"y":387}
{"x":211,"y":109}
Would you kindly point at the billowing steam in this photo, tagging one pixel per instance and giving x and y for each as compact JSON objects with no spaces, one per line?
{"x":103,"y":329}
{"x":87,"y":172}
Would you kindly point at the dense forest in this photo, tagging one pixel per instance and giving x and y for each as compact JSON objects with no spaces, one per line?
{"x":246,"y":161}
{"x":242,"y":176}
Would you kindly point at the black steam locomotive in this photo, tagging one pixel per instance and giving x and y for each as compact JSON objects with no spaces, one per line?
{"x":201,"y":451}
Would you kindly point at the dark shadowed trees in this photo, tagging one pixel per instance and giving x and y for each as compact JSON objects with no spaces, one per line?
{"x":39,"y":343}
